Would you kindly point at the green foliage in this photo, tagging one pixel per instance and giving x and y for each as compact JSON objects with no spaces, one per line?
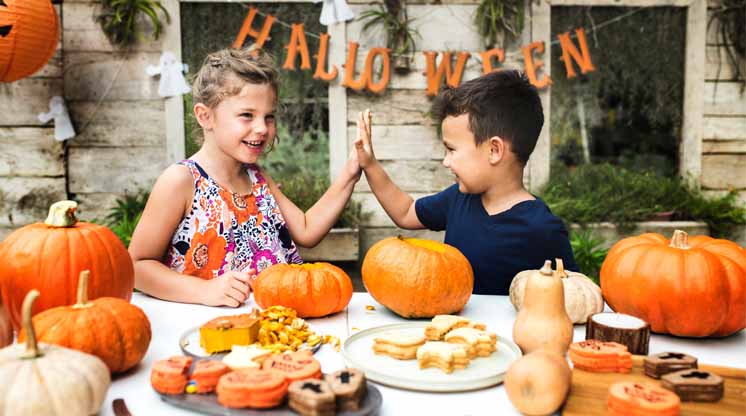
{"x":730,"y":16}
{"x":497,"y":17}
{"x":392,"y":15}
{"x":589,"y":253}
{"x":123,"y":218}
{"x":595,"y":193}
{"x":121,"y":20}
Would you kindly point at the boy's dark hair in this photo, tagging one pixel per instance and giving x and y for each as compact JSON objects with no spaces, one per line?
{"x":501,"y":103}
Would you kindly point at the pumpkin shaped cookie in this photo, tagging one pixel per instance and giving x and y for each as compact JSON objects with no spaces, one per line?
{"x":170,"y":376}
{"x":206,"y":375}
{"x":299,"y":365}
{"x":600,"y":357}
{"x":252,"y":388}
{"x":630,"y":398}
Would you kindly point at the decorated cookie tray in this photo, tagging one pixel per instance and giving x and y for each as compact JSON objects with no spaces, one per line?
{"x":208,"y":404}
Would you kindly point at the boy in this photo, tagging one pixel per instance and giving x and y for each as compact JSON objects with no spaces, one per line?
{"x":489,"y":126}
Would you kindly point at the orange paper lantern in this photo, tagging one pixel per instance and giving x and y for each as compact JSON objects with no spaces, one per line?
{"x":28,"y":37}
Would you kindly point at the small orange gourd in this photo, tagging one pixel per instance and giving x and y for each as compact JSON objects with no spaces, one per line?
{"x":110,"y":328}
{"x":542,"y":322}
{"x":312,"y":289}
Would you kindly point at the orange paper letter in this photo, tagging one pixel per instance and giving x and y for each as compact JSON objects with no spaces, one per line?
{"x":349,"y":80}
{"x":321,"y":60}
{"x":570,"y":53}
{"x":297,"y":40}
{"x":487,"y":59}
{"x":532,"y":66}
{"x":385,"y":73}
{"x":435,"y":77}
{"x":247,"y":30}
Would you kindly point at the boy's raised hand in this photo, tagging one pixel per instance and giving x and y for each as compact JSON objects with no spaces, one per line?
{"x":363,"y":143}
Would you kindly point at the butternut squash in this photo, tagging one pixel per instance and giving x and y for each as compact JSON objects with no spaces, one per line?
{"x":542,"y":322}
{"x":538,"y":383}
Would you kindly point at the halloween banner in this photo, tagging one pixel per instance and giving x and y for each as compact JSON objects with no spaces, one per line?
{"x":441,"y":67}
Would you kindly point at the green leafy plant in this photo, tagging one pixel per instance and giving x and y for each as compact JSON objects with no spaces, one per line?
{"x":400,"y":37}
{"x":123,"y":218}
{"x":730,"y":16}
{"x":121,"y":20}
{"x":597,"y":193}
{"x":497,"y":18}
{"x":589,"y":252}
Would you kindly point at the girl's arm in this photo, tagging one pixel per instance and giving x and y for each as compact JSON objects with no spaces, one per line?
{"x":169,"y":202}
{"x":309,"y":228}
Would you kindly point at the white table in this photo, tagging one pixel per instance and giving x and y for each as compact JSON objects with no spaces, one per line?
{"x":170,"y":320}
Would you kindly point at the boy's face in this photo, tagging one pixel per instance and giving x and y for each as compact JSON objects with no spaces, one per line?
{"x":467,"y":161}
{"x":245,"y":123}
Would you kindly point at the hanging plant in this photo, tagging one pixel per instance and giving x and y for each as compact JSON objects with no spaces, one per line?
{"x":497,"y":18}
{"x":730,"y":16}
{"x":121,"y":20}
{"x":400,"y":37}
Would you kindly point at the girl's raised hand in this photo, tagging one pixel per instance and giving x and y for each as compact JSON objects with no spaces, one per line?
{"x":363,"y":143}
{"x":232,"y":288}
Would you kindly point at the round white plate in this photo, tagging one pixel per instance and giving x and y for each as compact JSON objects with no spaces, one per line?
{"x":480,"y":373}
{"x":189,"y":343}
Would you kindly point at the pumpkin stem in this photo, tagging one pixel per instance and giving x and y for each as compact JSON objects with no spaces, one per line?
{"x":560,"y":268}
{"x":82,"y":299}
{"x":32,"y":349}
{"x":62,"y":214}
{"x":680,"y":240}
{"x":546,"y":270}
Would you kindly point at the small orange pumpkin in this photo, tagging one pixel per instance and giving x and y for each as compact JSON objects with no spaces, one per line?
{"x":110,"y":328}
{"x":417,"y":278}
{"x":6,"y":328}
{"x":49,"y":256}
{"x":312,"y":289}
{"x":693,"y":287}
{"x":28,"y":37}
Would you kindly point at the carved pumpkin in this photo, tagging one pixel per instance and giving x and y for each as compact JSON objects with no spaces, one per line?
{"x":28,"y":37}
{"x":417,"y":278}
{"x":110,"y":328}
{"x":49,"y":257}
{"x":693,"y":287}
{"x":6,"y":328}
{"x":582,"y":296}
{"x":49,"y":380}
{"x":312,"y":289}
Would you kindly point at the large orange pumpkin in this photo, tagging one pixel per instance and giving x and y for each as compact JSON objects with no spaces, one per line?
{"x":28,"y":37}
{"x":417,"y":278}
{"x":694,"y":287}
{"x":6,"y":328}
{"x":312,"y":289}
{"x":112,"y":329}
{"x":49,"y":256}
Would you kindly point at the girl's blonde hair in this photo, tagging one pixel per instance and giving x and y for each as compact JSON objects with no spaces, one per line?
{"x":224,"y":73}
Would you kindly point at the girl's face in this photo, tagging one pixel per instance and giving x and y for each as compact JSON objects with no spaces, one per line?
{"x":244,"y":124}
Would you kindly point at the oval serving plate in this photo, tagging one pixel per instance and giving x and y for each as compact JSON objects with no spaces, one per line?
{"x":208,"y":404}
{"x":189,"y":344}
{"x":480,"y":373}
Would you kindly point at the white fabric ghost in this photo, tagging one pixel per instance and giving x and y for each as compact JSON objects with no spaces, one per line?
{"x":172,"y":80}
{"x":63,"y":127}
{"x":334,"y":11}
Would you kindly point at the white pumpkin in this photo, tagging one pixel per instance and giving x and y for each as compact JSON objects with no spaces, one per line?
{"x":582,"y":297}
{"x":43,"y":379}
{"x":6,"y":328}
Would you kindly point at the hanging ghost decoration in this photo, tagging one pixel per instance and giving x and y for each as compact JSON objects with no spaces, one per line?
{"x":172,"y":77}
{"x":334,"y":11}
{"x":63,"y":127}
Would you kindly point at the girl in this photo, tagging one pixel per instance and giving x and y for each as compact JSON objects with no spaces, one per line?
{"x":216,"y":219}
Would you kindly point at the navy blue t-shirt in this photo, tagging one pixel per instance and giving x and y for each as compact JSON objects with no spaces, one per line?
{"x":497,"y":246}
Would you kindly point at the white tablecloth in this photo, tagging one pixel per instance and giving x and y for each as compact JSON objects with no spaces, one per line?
{"x":170,"y":320}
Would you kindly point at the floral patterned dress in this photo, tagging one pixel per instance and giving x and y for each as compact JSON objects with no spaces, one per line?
{"x":227,"y":231}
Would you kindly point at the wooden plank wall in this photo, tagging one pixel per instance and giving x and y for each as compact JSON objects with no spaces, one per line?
{"x":31,"y":162}
{"x":724,"y":129}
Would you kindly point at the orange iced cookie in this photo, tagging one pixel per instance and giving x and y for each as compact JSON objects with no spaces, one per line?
{"x":598,"y":356}
{"x":252,"y":388}
{"x":299,"y":365}
{"x":642,"y":399}
{"x":206,"y":375}
{"x":170,"y":376}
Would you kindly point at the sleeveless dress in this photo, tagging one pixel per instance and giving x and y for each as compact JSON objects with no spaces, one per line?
{"x":227,"y":231}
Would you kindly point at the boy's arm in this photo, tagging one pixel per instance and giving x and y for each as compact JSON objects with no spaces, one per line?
{"x":310,"y":227}
{"x":399,"y":205}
